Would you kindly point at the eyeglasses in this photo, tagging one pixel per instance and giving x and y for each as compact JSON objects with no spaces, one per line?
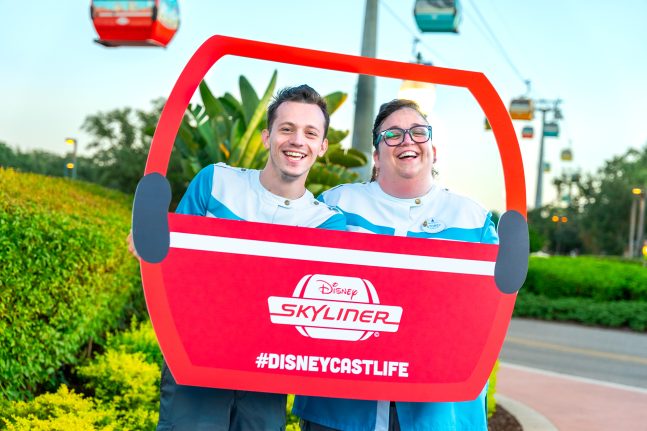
{"x":395,"y":135}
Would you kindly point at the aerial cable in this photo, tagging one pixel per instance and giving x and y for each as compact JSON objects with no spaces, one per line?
{"x":498,"y":44}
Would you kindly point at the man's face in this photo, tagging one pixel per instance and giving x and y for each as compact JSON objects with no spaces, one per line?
{"x":408,"y":160}
{"x":295,"y":140}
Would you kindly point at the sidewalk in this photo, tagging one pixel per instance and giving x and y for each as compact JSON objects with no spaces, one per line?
{"x":570,"y":403}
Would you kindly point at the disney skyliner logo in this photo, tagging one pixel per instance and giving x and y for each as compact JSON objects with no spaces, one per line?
{"x":334,"y":308}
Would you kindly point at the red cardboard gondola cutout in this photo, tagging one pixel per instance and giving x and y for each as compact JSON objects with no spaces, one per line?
{"x":286,"y":309}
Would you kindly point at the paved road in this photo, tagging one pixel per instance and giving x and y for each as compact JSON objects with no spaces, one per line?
{"x":602,"y":354}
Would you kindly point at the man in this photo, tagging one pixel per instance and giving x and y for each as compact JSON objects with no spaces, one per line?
{"x":298,"y":123}
{"x":402,"y":201}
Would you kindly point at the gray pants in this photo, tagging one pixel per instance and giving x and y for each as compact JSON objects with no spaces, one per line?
{"x":191,"y":408}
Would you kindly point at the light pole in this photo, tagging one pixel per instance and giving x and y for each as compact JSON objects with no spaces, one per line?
{"x":636,"y":230}
{"x":641,"y":219}
{"x":365,"y":97}
{"x":632,"y":224}
{"x":540,"y":166}
{"x":557,"y":220}
{"x":72,"y":165}
{"x":544,"y":106}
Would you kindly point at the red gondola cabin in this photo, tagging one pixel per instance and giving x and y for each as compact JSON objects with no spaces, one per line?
{"x":135,"y":22}
{"x":527,"y":132}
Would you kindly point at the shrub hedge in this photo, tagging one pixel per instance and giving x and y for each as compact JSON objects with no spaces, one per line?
{"x":140,"y":338}
{"x":65,"y":278}
{"x":618,"y":314}
{"x":126,"y":383}
{"x":586,"y":277}
{"x":600,"y":291}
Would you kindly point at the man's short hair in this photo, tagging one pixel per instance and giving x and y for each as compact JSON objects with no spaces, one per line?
{"x":303,"y":94}
{"x":389,"y":108}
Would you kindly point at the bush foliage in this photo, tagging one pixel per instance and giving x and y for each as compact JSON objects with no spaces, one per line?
{"x":586,"y":277}
{"x":63,"y":410}
{"x":590,"y":290}
{"x":619,"y":314}
{"x":65,"y":279}
{"x":120,"y":393}
{"x":140,"y":338}
{"x":125,"y":380}
{"x":126,"y":383}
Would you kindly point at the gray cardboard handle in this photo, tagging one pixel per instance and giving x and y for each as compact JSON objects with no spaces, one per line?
{"x":150,"y":218}
{"x":514,"y":249}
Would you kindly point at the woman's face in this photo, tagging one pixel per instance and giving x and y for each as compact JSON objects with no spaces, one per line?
{"x":409,"y":160}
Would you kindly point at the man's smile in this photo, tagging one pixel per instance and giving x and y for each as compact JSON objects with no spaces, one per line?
{"x":294,"y":155}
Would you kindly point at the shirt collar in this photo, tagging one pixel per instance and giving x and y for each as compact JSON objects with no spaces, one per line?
{"x":272,"y":199}
{"x":409,"y":202}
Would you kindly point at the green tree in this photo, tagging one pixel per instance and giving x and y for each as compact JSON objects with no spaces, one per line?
{"x":7,"y":155}
{"x":36,"y":161}
{"x":121,"y":144}
{"x":121,"y":139}
{"x":560,"y":235}
{"x":605,"y":202}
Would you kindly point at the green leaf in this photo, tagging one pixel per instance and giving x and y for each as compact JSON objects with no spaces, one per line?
{"x":336,"y":136}
{"x":235,"y":138}
{"x":323,"y":177}
{"x":149,"y":130}
{"x":258,"y":115}
{"x":185,"y":142}
{"x":260,"y":160}
{"x":214,"y":153}
{"x":316,"y":189}
{"x":347,"y":160}
{"x":197,"y":113}
{"x":248,"y":97}
{"x":232,"y":106}
{"x":357,"y":154}
{"x":254,"y":146}
{"x":210,"y":102}
{"x":335,"y":100}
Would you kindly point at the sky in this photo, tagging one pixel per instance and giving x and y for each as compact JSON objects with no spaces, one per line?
{"x":590,"y":54}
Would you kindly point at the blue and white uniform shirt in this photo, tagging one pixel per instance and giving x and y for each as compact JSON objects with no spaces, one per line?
{"x":438,"y":214}
{"x":237,"y":194}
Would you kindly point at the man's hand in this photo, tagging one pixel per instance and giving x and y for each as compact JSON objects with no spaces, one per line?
{"x":131,"y":245}
{"x":511,"y":265}
{"x":150,"y":233}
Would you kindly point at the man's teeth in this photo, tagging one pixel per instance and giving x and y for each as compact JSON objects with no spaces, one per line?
{"x":407,"y":154}
{"x":293,"y":154}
